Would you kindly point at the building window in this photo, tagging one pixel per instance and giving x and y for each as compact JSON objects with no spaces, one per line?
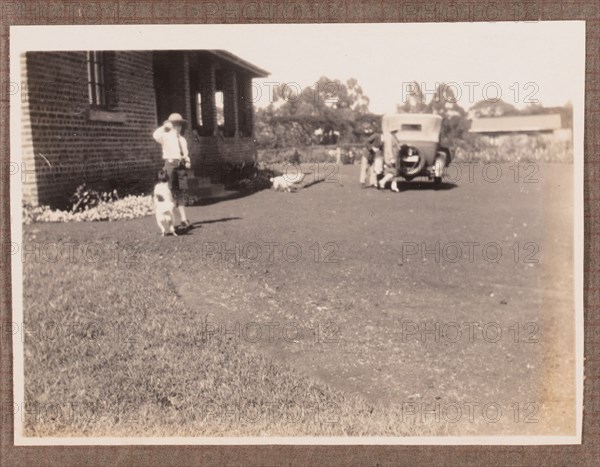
{"x":96,"y":78}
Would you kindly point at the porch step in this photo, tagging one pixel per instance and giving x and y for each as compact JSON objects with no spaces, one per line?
{"x":200,"y":188}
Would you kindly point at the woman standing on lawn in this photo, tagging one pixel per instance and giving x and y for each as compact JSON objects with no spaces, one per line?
{"x":175,"y":153}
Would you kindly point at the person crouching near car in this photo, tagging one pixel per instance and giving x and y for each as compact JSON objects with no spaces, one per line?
{"x":366,"y":169}
{"x":175,"y":155}
{"x":390,"y":169}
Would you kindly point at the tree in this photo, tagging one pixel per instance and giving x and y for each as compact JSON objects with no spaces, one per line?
{"x":533,"y":109}
{"x":323,"y":95}
{"x":414,"y":102}
{"x":567,"y":115}
{"x":359,"y":102}
{"x":328,"y":112}
{"x":455,"y":125}
{"x":489,"y":108}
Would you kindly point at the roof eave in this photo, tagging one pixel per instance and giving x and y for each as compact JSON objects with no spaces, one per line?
{"x":255,"y":71}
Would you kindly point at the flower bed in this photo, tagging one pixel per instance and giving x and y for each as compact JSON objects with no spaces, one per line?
{"x":129,"y":207}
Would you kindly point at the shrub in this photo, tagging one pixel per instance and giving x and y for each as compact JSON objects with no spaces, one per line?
{"x":260,"y":180}
{"x":295,"y":157}
{"x":514,"y":148}
{"x":86,"y":198}
{"x":309,"y":154}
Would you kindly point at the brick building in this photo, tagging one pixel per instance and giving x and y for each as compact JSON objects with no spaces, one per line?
{"x":89,"y":116}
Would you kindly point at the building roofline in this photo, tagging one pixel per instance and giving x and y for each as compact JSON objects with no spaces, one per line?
{"x":234,"y":59}
{"x":516,"y":123}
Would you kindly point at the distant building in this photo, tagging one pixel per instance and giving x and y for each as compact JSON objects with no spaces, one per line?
{"x":89,"y":116}
{"x":496,"y":129}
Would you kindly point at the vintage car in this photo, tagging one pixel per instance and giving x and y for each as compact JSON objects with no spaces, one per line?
{"x":411,"y":143}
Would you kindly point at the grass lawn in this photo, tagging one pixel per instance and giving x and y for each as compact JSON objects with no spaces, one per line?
{"x":294,"y":314}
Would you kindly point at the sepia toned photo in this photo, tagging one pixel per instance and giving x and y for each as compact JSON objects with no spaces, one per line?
{"x":297,"y":234}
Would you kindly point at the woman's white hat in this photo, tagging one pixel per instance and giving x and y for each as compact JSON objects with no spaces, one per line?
{"x":176,"y":118}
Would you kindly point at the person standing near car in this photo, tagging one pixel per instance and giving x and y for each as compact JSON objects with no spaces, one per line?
{"x":338,"y":156}
{"x":366,"y":169}
{"x":372,"y":161}
{"x":350,"y":155}
{"x":175,"y":155}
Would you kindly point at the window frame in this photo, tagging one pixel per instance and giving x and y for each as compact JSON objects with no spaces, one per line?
{"x":96,"y":74}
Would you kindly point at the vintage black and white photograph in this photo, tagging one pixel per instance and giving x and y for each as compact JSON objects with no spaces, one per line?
{"x":297,"y":234}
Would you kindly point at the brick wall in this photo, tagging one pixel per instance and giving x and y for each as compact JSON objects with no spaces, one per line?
{"x":66,"y":143}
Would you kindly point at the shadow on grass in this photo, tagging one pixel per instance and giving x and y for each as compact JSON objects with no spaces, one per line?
{"x":187,"y":230}
{"x":214,"y":221}
{"x":425,"y":185}
{"x":257,"y":184}
{"x":312,"y":183}
{"x":301,"y":186}
{"x":228,"y":195}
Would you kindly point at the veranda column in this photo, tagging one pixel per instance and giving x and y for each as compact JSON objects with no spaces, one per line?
{"x":230,"y":94}
{"x":208,"y":88}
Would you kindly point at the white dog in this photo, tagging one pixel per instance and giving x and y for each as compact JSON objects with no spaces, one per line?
{"x":286,"y":182}
{"x":164,"y":205}
{"x":281,"y":183}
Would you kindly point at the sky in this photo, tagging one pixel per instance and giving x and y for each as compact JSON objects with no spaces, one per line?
{"x":518,"y":62}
